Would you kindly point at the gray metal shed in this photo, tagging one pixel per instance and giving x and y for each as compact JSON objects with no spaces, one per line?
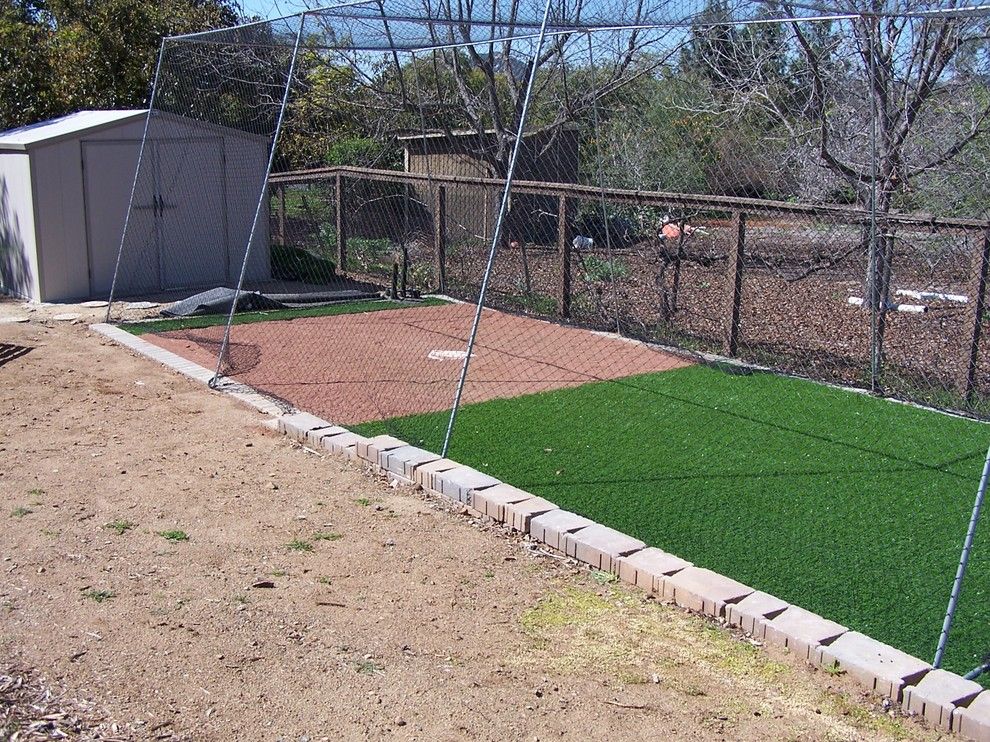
{"x":64,"y":191}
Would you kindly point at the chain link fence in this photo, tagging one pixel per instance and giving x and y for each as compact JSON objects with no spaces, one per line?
{"x":714,"y":276}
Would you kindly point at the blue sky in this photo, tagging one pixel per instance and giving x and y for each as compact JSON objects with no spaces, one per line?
{"x":270,"y":8}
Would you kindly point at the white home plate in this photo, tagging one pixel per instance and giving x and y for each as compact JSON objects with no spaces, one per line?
{"x":141,"y":305}
{"x":66,"y":317}
{"x":447,"y":355}
{"x":96,"y":304}
{"x":6,"y":320}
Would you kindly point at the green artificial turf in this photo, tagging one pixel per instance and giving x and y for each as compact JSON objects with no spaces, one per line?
{"x":245,"y":318}
{"x":847,"y":505}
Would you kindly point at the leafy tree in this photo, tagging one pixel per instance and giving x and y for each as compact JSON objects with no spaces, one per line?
{"x":474,"y":78}
{"x":58,"y":56}
{"x":25,"y":76}
{"x":912,"y":104}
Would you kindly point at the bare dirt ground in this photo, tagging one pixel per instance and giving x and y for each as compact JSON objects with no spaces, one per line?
{"x":310,"y":600}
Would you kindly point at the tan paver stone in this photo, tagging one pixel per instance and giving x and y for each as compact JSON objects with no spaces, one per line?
{"x":646,"y":568}
{"x":344,"y":444}
{"x":459,"y":483}
{"x":371,"y":448}
{"x":492,"y":501}
{"x":551,"y":527}
{"x":295,"y":425}
{"x":600,"y":546}
{"x":801,"y":631}
{"x":974,"y":720}
{"x":426,"y":473}
{"x":702,"y":590}
{"x":314,"y":436}
{"x":519,"y":515}
{"x":878,"y":666}
{"x":752,"y":612}
{"x":937,"y":696}
{"x":403,"y":461}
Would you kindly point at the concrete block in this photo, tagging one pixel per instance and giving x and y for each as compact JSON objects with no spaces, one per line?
{"x":937,"y":695}
{"x":519,"y":515}
{"x":343,"y":444}
{"x":646,"y":568}
{"x":371,"y":448}
{"x":492,"y":501}
{"x":459,"y":484}
{"x":702,"y":590}
{"x":426,"y":473}
{"x":403,"y":461}
{"x":801,"y":631}
{"x":297,"y":424}
{"x":315,"y":436}
{"x":878,"y":666}
{"x":752,"y":612}
{"x":974,"y":720}
{"x":551,"y":527}
{"x":600,"y":546}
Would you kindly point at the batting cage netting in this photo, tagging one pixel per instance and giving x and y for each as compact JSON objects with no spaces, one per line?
{"x":713,"y":274}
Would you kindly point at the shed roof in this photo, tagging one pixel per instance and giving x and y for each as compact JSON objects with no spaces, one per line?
{"x":464,"y":133}
{"x":44,"y":132}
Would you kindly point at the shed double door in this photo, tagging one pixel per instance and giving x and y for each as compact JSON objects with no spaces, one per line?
{"x":177,"y":231}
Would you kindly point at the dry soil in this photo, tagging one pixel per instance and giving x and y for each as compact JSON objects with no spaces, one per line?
{"x":313,"y":601}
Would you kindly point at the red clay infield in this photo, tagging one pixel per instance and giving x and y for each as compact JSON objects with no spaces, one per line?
{"x":358,"y":367}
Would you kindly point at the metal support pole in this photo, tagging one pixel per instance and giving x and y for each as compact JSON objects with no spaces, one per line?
{"x":873,"y":293}
{"x":974,"y":320}
{"x":440,"y":234}
{"x":564,"y":238}
{"x":977,"y":671}
{"x":261,"y":199}
{"x":137,"y":173}
{"x":963,"y":563}
{"x":340,"y":221}
{"x":601,"y":184}
{"x":734,"y":285}
{"x":281,"y":215}
{"x":506,"y":193}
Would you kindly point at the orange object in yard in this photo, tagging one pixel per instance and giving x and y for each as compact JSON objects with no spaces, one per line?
{"x":672,"y":230}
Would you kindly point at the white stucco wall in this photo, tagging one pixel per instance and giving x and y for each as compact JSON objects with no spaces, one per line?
{"x":19,"y":275}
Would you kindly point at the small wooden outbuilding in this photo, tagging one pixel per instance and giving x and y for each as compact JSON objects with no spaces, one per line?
{"x":65,"y":186}
{"x":547,"y":157}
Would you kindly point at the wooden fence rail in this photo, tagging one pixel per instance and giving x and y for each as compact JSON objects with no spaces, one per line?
{"x":728,"y":204}
{"x":569,"y":194}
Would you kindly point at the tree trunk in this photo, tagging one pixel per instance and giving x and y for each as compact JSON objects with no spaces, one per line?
{"x":879,"y":271}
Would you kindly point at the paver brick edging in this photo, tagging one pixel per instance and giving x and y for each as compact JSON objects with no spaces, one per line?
{"x":646,"y":568}
{"x":492,"y":501}
{"x":600,"y":546}
{"x":938,"y":695}
{"x":702,"y":590}
{"x":973,"y":721}
{"x":402,"y":461}
{"x":876,"y":665}
{"x":943,"y":698}
{"x":553,"y":526}
{"x":801,"y":631}
{"x":519,"y":515}
{"x":752,"y":612}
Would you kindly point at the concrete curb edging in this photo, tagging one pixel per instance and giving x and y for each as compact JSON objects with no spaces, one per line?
{"x":194,"y":371}
{"x":944,"y":699}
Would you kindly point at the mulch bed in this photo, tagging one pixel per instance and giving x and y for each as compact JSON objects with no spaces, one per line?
{"x":30,"y":709}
